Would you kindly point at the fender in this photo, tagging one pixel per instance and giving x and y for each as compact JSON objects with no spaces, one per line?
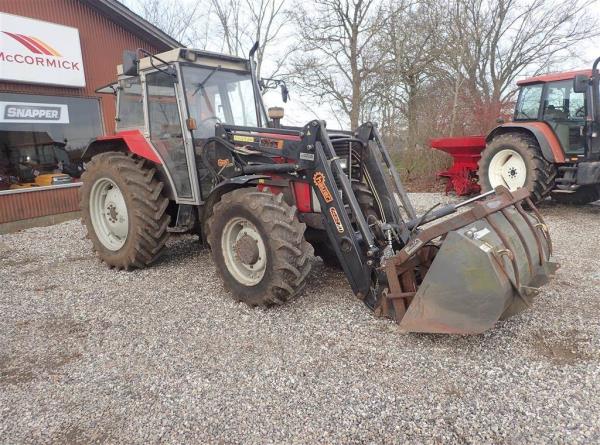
{"x":229,"y":185}
{"x":129,"y":140}
{"x":545,"y":136}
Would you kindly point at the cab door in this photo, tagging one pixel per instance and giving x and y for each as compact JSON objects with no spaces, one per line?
{"x":564,"y":110}
{"x":167,"y":134}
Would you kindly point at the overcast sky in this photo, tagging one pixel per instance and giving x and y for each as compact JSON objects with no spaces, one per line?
{"x":300,"y":110}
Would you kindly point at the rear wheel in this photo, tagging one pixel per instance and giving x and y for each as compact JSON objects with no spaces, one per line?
{"x":515,"y":161}
{"x":124,"y":210}
{"x":258,"y":247}
{"x":583,"y":195}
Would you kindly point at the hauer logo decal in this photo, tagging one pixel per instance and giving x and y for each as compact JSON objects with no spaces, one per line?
{"x":319,"y":180}
{"x":35,"y":51}
{"x":25,"y":112}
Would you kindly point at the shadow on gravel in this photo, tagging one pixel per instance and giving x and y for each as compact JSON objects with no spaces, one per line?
{"x":59,"y":342}
{"x":560,"y":350}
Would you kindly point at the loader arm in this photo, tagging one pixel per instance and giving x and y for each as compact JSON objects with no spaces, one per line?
{"x":460,"y":275}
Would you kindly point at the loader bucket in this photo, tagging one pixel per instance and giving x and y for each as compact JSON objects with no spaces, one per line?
{"x":486,"y":266}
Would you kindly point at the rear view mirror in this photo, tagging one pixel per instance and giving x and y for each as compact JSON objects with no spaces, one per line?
{"x":580,"y":83}
{"x":285,"y":94}
{"x":130,"y":63}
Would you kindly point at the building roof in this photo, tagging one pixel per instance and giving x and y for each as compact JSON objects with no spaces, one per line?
{"x":565,"y":75}
{"x":125,"y":17}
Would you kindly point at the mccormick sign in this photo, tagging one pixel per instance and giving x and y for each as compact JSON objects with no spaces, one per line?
{"x":34,"y":51}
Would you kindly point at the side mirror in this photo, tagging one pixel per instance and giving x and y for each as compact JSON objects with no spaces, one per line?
{"x":285,"y":94}
{"x":130,"y":63}
{"x":580,"y":83}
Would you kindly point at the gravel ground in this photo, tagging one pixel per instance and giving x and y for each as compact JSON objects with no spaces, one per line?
{"x":89,"y":354}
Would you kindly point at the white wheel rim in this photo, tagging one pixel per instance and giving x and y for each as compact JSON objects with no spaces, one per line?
{"x":507,"y":168}
{"x":244,"y":251}
{"x":109,"y":215}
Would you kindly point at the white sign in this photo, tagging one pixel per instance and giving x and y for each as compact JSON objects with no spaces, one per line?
{"x":33,"y":51}
{"x":34,"y":113}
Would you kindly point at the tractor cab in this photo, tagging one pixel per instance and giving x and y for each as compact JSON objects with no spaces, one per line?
{"x":174,"y":101}
{"x":555,"y":100}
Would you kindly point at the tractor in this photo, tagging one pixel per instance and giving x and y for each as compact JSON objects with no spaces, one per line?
{"x":551,"y":146}
{"x":196,"y":151}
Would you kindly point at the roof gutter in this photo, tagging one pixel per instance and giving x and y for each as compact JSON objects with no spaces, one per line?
{"x":125,"y":17}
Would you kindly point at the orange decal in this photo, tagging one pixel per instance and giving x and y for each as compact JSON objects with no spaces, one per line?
{"x":336,"y":219}
{"x":224,"y":162}
{"x":319,"y":180}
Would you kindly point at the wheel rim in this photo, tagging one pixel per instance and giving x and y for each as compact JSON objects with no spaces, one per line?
{"x":507,"y":168}
{"x":109,"y":214}
{"x":244,"y":251}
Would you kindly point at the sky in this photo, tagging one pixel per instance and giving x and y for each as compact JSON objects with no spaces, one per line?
{"x":300,"y":110}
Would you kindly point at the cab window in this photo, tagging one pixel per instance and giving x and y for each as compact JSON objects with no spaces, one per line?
{"x":131,"y":112}
{"x":528,"y":105}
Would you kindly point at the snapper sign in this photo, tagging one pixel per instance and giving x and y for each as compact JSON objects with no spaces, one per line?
{"x":34,"y":51}
{"x":26,"y":112}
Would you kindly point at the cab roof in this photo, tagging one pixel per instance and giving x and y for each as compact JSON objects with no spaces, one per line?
{"x":195,"y":56}
{"x":552,"y":77}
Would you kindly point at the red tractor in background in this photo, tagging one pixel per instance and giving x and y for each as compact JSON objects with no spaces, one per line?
{"x":551,"y":147}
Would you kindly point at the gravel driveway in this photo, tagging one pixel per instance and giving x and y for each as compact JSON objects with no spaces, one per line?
{"x":89,"y":354}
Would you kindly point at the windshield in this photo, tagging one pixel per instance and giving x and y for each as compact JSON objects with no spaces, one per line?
{"x":528,"y":105}
{"x":214,"y":96}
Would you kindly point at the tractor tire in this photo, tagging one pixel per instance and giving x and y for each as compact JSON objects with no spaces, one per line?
{"x":515,"y":160}
{"x":583,"y":195}
{"x":258,"y":247}
{"x":124,"y":210}
{"x":365,"y":199}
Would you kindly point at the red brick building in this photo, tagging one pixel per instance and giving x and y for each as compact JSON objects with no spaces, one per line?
{"x":54,"y":55}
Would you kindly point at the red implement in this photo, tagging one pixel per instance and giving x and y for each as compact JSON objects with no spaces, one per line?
{"x":466,"y":152}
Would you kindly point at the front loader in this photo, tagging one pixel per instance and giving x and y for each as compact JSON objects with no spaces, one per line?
{"x":195,"y":150}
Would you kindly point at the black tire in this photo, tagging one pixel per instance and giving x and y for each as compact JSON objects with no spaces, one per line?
{"x":365,"y":199}
{"x":540,"y":173}
{"x":583,"y":195}
{"x":289,"y":256}
{"x":145,"y":203}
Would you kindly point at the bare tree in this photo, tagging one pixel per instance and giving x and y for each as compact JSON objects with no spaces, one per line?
{"x":501,"y":40}
{"x":231,"y":30}
{"x":267,"y":21}
{"x":411,"y":45}
{"x":337,"y":56}
{"x":177,"y":18}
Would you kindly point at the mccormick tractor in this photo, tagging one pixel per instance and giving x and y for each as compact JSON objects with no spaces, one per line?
{"x":552,"y":145}
{"x":196,"y":151}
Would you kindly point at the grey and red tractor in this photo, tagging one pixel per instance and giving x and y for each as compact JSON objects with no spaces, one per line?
{"x":196,"y":151}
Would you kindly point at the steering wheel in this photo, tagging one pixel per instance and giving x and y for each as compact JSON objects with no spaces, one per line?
{"x":211,"y":118}
{"x":580,"y":111}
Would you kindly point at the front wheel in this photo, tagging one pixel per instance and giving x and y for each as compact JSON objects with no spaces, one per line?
{"x":258,"y":247}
